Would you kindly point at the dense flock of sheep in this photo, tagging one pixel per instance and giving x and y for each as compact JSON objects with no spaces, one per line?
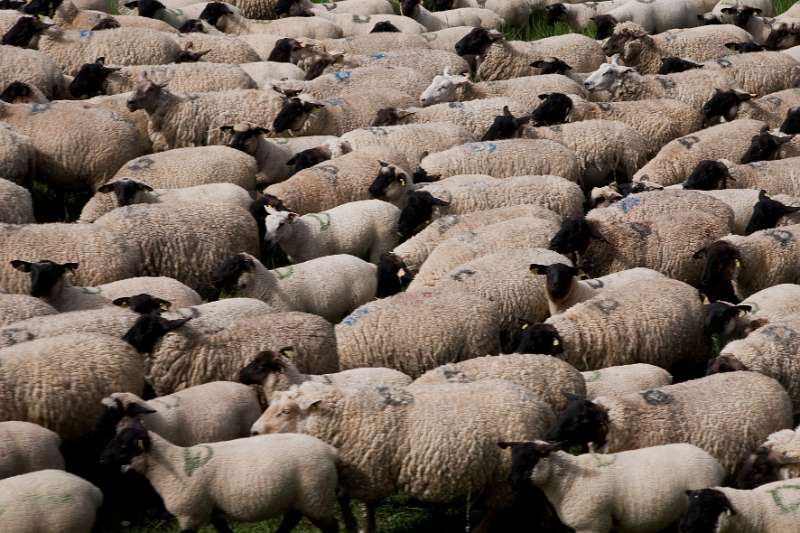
{"x":345,"y":251}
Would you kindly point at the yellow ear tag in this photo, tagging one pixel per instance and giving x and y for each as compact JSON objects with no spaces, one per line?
{"x":705,"y":299}
{"x":289,"y":354}
{"x":738,"y":263}
{"x":524,"y":327}
{"x":140,"y":445}
{"x":402,"y":182}
{"x":556,"y":342}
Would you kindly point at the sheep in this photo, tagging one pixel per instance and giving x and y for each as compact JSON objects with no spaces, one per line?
{"x":28,"y":448}
{"x":759,"y":73}
{"x":678,"y":309}
{"x":517,"y":233}
{"x":549,"y":378}
{"x":265,"y":73}
{"x":106,"y":142}
{"x":578,"y":16}
{"x":131,"y":192}
{"x":445,"y":39}
{"x":428,"y":65}
{"x":643,"y":230}
{"x":753,"y":210}
{"x":776,"y":459}
{"x":96,"y":79}
{"x":621,"y":484}
{"x":771,"y":109}
{"x":737,"y":266}
{"x":104,"y":256}
{"x":199,"y":353}
{"x":414,"y":251}
{"x":213,"y":412}
{"x":450,"y":18}
{"x":741,"y":407}
{"x":656,"y":17}
{"x":473,"y":116}
{"x":22,"y":93}
{"x":49,"y":500}
{"x":381,"y":42}
{"x":329,"y":286}
{"x":58,"y":382}
{"x":564,"y":289}
{"x":501,"y":59}
{"x":335,"y":116}
{"x":616,"y":380}
{"x":678,"y":158}
{"x":225,"y":19}
{"x":363,"y":24}
{"x":447,"y":87}
{"x":738,"y":321}
{"x":223,"y":48}
{"x":190,"y":167}
{"x":777,"y":177}
{"x":769,"y":350}
{"x":16,"y":202}
{"x":355,"y":7}
{"x":296,"y":477}
{"x":768,"y":508}
{"x":121,"y":46}
{"x":16,"y":307}
{"x":183,"y":120}
{"x":451,"y":335}
{"x":33,"y":68}
{"x":547,"y":192}
{"x":365,"y":229}
{"x":343,"y":83}
{"x":17,"y":155}
{"x":425,"y":423}
{"x":414,"y":141}
{"x":182,"y":240}
{"x":166,"y":289}
{"x":348,"y":178}
{"x":644,"y":52}
{"x":693,"y":87}
{"x":275,"y":372}
{"x":505,"y":158}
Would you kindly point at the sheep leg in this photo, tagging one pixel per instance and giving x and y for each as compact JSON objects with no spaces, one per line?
{"x":371,"y":522}
{"x":325,"y":525}
{"x":220,"y":524}
{"x":485,"y":525}
{"x":350,"y":522}
{"x":290,"y":521}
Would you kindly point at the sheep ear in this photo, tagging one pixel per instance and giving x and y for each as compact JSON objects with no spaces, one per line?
{"x":122,"y":302}
{"x":744,"y":308}
{"x":699,"y":254}
{"x":22,"y":266}
{"x":163,"y":304}
{"x":135,"y":409}
{"x":132,"y":5}
{"x":539,"y":270}
{"x":306,"y":404}
{"x":72,"y":267}
{"x":108,"y":187}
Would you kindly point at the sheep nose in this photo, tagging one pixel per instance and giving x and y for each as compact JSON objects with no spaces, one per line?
{"x":253,"y":433}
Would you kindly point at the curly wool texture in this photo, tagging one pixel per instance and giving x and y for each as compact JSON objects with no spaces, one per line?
{"x":338,"y":181}
{"x":660,"y":230}
{"x":772,"y":108}
{"x":183,"y":77}
{"x":724,"y":414}
{"x":759,"y":73}
{"x":456,"y":17}
{"x":222,"y":48}
{"x":58,"y":382}
{"x":601,"y":146}
{"x":189,"y":167}
{"x":549,"y":378}
{"x":659,"y":120}
{"x":694,"y":87}
{"x":474,"y":116}
{"x":212,"y":193}
{"x":102,"y":255}
{"x":592,"y":332}
{"x":118,"y":103}
{"x":772,"y":350}
{"x":31,"y":67}
{"x":362,"y":79}
{"x":27,"y":447}
{"x":265,"y":73}
{"x":504,"y":279}
{"x":365,"y":229}
{"x":581,"y":290}
{"x":96,"y":144}
{"x":362,"y":24}
{"x":415,"y":332}
{"x":17,"y":155}
{"x":518,"y":233}
{"x":617,"y":380}
{"x":16,"y":307}
{"x":16,"y":206}
{"x":675,"y":161}
{"x":502,"y":159}
{"x":113,"y":321}
{"x":416,"y":250}
{"x":768,"y":257}
{"x":379,"y":42}
{"x":438,"y":442}
{"x":511,"y":59}
{"x":413,"y":141}
{"x":182,"y":240}
{"x":213,"y":412}
{"x":427,"y":64}
{"x":705,"y":43}
{"x":776,"y":302}
{"x":191,"y":356}
{"x":120,"y":46}
{"x":764,"y":508}
{"x":638,"y":490}
{"x":524,"y":90}
{"x":49,"y":500}
{"x":171,"y":290}
{"x":781,"y":176}
{"x":273,"y":155}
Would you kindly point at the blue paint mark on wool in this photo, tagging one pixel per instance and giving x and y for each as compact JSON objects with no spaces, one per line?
{"x":628,"y":203}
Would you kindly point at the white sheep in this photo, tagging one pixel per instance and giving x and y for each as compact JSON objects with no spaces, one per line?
{"x":654,"y":17}
{"x":759,"y":73}
{"x":16,"y":307}
{"x":27,"y":448}
{"x":414,"y":141}
{"x":16,"y":205}
{"x":17,"y":155}
{"x":33,"y":68}
{"x":450,"y":18}
{"x":622,"y":379}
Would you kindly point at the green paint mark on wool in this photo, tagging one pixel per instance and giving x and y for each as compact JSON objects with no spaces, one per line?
{"x":601,"y":461}
{"x":592,"y":376}
{"x":787,"y":498}
{"x":324,"y":220}
{"x":193,"y":458}
{"x":283,"y":273}
{"x":54,"y":499}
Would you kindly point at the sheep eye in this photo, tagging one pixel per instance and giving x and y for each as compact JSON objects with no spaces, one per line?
{"x":285,"y":412}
